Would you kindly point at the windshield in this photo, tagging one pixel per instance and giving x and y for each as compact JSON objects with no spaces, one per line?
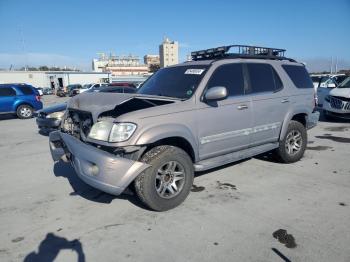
{"x":87,"y":86}
{"x":345,"y":83}
{"x":179,"y":81}
{"x":340,"y":79}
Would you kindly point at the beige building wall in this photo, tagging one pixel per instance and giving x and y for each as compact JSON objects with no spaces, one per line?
{"x":169,"y":53}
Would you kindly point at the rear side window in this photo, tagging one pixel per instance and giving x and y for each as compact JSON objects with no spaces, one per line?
{"x":229,"y":76}
{"x":7,"y":91}
{"x":263,"y":78}
{"x":299,"y":76}
{"x":26,"y":90}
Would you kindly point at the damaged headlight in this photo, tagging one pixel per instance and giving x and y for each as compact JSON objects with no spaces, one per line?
{"x":57,"y":115}
{"x":110,"y":132}
{"x":121,"y":132}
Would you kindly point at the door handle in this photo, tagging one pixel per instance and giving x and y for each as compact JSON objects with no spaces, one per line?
{"x":285,"y":101}
{"x":242,"y":107}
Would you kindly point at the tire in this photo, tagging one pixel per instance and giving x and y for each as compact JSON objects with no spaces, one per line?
{"x":291,"y":149}
{"x":154,"y":185}
{"x":24,"y":112}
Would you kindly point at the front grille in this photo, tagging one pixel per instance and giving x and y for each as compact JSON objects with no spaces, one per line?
{"x":339,"y":103}
{"x":77,"y":123}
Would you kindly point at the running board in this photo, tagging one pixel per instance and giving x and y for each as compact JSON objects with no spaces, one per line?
{"x":233,"y":157}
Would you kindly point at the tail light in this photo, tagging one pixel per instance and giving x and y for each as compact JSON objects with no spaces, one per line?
{"x":37,"y":98}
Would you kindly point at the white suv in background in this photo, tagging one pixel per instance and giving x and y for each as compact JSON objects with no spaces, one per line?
{"x":337,"y":102}
{"x":91,"y":86}
{"x":323,"y":83}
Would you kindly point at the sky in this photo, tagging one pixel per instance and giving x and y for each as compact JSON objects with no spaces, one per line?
{"x":72,"y":32}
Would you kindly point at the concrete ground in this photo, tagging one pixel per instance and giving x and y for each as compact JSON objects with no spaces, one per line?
{"x":234,"y":213}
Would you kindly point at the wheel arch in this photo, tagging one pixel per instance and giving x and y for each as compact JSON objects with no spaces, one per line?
{"x":175,"y":135}
{"x":299,"y":116}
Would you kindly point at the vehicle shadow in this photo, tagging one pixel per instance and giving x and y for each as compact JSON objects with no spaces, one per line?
{"x":62,"y":169}
{"x":44,"y":132}
{"x":51,"y":246}
{"x":7,"y":116}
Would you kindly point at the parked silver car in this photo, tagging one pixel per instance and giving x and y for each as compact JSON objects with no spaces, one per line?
{"x":219,"y":108}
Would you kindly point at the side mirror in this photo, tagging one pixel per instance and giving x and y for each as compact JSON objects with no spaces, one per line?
{"x":216,"y":93}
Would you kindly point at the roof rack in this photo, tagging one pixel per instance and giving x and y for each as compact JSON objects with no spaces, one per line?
{"x":240,"y":51}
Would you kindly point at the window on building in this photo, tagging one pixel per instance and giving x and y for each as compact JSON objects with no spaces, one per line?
{"x":263,"y":78}
{"x":299,"y":76}
{"x":7,"y":91}
{"x":229,"y":76}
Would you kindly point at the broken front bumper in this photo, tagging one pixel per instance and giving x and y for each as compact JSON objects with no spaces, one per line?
{"x":95,"y":167}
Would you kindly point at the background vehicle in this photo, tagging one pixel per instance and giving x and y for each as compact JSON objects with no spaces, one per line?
{"x":324,"y":83}
{"x":49,"y":118}
{"x":40,"y":91}
{"x":337,"y":103}
{"x":47,"y":91}
{"x":20,"y":99}
{"x":91,"y":86}
{"x":219,"y":108}
{"x":70,"y":90}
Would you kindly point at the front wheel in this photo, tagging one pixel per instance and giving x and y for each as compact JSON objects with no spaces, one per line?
{"x":292,"y":147}
{"x":168,"y":181}
{"x":24,"y":112}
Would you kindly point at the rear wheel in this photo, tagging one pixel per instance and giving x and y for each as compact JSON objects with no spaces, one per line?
{"x":168,"y":181}
{"x":292,"y":147}
{"x":24,"y":112}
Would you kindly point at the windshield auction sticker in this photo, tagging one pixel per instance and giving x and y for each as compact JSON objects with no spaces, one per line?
{"x":194,"y":71}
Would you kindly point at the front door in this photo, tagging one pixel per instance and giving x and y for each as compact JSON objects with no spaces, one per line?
{"x":223,"y":126}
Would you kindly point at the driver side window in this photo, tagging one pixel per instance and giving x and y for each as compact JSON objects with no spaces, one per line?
{"x":229,"y":76}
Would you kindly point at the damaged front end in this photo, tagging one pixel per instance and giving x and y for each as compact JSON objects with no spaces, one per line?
{"x":100,"y":169}
{"x":82,"y":141}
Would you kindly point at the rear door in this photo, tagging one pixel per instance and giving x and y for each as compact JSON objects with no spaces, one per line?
{"x":223,"y":126}
{"x":270,"y":102}
{"x":7,"y":99}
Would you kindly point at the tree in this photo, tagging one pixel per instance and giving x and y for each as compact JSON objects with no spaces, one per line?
{"x":154,"y":68}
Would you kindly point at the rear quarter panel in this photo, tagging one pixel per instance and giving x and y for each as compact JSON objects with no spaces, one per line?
{"x":301,"y":100}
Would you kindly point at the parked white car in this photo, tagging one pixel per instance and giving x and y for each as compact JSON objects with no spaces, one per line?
{"x":91,"y":86}
{"x":324,"y":83}
{"x":337,"y":102}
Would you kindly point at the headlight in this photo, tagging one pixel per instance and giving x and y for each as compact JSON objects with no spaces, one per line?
{"x":57,"y":115}
{"x":101,"y":130}
{"x":121,"y":132}
{"x":108,"y":131}
{"x":327,"y":98}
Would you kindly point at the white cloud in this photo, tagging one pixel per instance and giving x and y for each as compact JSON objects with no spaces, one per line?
{"x":40,"y":59}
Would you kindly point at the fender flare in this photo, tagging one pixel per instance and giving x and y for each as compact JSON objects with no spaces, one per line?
{"x":288,"y":118}
{"x":160,"y":132}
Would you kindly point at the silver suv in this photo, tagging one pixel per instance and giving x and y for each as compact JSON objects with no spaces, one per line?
{"x":219,"y":108}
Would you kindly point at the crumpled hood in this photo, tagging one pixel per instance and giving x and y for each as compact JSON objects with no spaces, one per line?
{"x":342,"y":92}
{"x":97,"y":103}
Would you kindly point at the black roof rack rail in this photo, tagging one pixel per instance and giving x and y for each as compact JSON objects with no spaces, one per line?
{"x":240,"y":51}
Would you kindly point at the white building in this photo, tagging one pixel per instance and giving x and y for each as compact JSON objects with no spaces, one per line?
{"x":169,"y":53}
{"x":119,"y":65}
{"x":53,"y":79}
